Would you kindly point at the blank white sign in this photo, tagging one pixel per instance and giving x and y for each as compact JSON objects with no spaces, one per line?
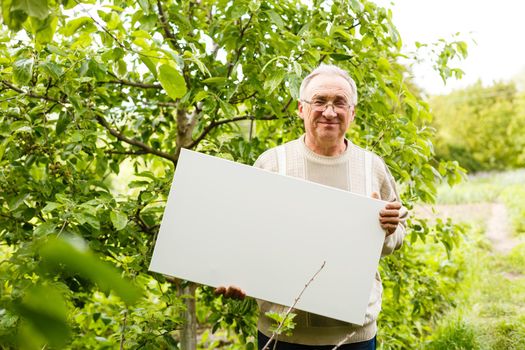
{"x":231,"y":224}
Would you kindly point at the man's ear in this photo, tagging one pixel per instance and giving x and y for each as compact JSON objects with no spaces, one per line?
{"x":300,"y":107}
{"x":352,"y":114}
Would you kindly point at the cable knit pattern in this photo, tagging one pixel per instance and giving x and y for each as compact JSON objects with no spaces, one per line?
{"x":347,"y":172}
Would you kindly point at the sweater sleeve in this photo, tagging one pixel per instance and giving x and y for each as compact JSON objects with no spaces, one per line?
{"x":389,"y":193}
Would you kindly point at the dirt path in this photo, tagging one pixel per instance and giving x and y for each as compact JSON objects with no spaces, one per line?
{"x":498,"y":229}
{"x":493,"y":215}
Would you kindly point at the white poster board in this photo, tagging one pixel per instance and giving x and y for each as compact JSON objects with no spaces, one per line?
{"x":231,"y":224}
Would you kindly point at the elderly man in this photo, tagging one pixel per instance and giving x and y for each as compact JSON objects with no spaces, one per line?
{"x":328,"y":97}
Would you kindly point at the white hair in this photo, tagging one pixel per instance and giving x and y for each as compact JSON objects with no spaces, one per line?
{"x":329,"y":69}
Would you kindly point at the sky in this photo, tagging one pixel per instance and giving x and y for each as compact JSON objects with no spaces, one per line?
{"x":493,"y":31}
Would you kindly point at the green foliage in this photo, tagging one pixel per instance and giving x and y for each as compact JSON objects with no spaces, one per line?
{"x":96,"y":108}
{"x":489,"y":297}
{"x":455,"y":335}
{"x":419,"y":283}
{"x":240,"y":316}
{"x":481,"y":127}
{"x":284,"y":323}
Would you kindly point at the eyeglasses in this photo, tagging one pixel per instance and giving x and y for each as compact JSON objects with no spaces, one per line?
{"x":318,"y":105}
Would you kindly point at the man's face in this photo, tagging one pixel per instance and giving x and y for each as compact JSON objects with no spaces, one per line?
{"x":328,"y":127}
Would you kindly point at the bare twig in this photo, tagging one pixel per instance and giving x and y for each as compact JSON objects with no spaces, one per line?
{"x":348,"y":336}
{"x":266,"y":346}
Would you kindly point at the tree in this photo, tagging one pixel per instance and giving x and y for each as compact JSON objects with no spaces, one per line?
{"x":481,"y":126}
{"x":98,"y":98}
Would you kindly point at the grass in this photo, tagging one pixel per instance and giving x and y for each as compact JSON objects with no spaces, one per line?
{"x":491,"y":301}
{"x":480,"y":188}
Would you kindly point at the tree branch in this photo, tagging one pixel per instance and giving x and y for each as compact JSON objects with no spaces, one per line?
{"x":241,"y":99}
{"x":238,"y":53}
{"x":215,"y":124}
{"x":102,"y":121}
{"x":165,"y":26}
{"x":30,"y":94}
{"x":145,"y":227}
{"x":131,"y":83}
{"x":348,"y":336}
{"x":265,"y":347}
{"x":131,"y":153}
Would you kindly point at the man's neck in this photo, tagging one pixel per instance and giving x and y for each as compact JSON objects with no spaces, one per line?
{"x":327,"y":149}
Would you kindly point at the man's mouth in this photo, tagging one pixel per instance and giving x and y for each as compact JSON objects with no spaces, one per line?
{"x":329,"y":123}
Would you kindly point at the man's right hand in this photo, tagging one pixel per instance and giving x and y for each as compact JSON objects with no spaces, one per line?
{"x":233,"y":292}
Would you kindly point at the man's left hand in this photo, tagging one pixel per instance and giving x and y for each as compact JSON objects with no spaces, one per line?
{"x":389,"y":216}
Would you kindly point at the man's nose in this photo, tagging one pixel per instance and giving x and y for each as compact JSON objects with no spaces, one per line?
{"x":329,"y":111}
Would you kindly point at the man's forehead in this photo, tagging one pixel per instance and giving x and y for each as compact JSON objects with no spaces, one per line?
{"x":325,"y":84}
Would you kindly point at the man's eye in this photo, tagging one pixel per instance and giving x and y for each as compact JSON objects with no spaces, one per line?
{"x":341,"y":104}
{"x":318,"y":103}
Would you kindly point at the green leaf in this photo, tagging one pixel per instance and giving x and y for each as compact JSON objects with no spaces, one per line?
{"x":340,"y":57}
{"x":4,"y":144}
{"x":383,"y":64}
{"x":273,"y":81}
{"x":13,"y":18}
{"x":276,"y":18}
{"x":23,"y":71}
{"x":44,"y":308}
{"x":215,"y":81}
{"x":118,"y":219}
{"x":63,"y":121}
{"x":172,"y":81}
{"x":90,"y":219}
{"x":33,"y":8}
{"x":44,"y":30}
{"x":152,"y":66}
{"x":228,"y":110}
{"x":51,"y":68}
{"x":201,"y":95}
{"x":57,"y":253}
{"x":75,"y":24}
{"x":50,"y":206}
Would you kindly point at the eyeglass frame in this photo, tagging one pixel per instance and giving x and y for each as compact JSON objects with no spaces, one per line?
{"x":324,"y":107}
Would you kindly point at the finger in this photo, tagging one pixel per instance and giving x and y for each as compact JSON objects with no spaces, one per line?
{"x":229,"y":292}
{"x":389,"y":213}
{"x":220,"y":290}
{"x":389,"y":228}
{"x":375,"y":195}
{"x":235,"y":292}
{"x":239,"y":294}
{"x":389,"y":220}
{"x":393,"y":205}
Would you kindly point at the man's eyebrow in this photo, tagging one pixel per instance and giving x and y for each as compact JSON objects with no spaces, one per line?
{"x":325,"y":97}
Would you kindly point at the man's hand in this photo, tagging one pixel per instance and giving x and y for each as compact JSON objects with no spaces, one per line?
{"x":233,"y":292}
{"x":389,"y":216}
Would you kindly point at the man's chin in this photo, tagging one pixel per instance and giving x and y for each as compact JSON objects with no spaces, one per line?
{"x":330,"y":137}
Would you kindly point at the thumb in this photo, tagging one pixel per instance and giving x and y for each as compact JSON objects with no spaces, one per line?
{"x":375,"y":195}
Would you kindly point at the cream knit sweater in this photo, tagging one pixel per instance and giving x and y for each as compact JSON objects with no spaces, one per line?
{"x":347,"y":172}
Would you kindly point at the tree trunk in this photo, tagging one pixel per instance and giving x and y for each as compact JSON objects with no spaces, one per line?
{"x":188,"y":333}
